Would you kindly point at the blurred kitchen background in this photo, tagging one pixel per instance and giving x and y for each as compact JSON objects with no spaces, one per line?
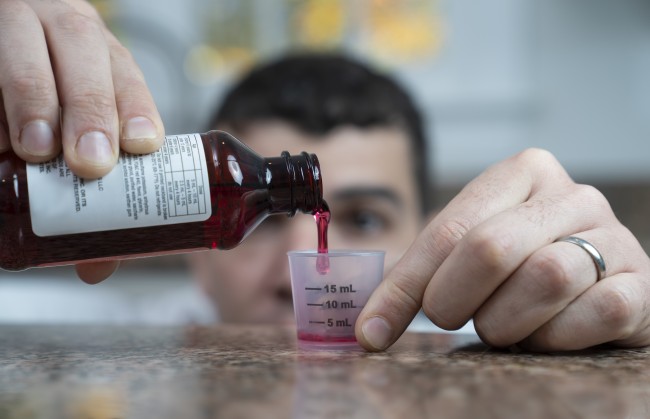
{"x":492,"y":76}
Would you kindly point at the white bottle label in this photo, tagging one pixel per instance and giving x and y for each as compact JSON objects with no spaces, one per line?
{"x":169,"y":186}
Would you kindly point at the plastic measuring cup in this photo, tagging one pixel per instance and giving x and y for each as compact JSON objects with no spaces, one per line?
{"x":327,"y":303}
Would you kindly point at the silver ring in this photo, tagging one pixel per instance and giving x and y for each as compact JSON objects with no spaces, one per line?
{"x":593,"y":253}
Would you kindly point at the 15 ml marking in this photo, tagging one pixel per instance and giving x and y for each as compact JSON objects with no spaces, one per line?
{"x":342,"y":289}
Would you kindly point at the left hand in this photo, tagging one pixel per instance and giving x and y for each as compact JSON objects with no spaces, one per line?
{"x":492,"y":255}
{"x":66,"y":83}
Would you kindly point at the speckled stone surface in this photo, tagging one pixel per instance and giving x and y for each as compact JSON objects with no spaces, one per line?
{"x":259,"y":372}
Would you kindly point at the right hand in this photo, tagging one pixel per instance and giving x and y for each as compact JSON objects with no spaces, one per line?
{"x":67,"y":84}
{"x":494,"y":254}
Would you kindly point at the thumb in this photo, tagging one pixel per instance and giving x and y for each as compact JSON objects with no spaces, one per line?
{"x":95,"y":272}
{"x":397,"y":300}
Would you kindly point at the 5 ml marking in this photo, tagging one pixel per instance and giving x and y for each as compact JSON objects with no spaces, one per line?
{"x":333,"y":323}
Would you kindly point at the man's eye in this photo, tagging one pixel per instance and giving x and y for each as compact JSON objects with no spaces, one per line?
{"x":362,"y":220}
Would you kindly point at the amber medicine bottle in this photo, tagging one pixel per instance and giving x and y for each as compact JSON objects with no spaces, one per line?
{"x":199,"y":191}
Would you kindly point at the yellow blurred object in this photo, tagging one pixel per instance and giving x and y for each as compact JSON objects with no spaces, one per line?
{"x":98,"y":403}
{"x":406,"y":30}
{"x":391,"y":31}
{"x":205,"y":64}
{"x":71,"y":401}
{"x":320,"y":23}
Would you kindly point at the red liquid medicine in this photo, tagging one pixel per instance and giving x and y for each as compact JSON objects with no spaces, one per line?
{"x":200,"y":191}
{"x":324,"y":338}
{"x":322,"y":218}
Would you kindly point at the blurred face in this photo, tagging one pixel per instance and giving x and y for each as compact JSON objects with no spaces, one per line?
{"x":369,"y":186}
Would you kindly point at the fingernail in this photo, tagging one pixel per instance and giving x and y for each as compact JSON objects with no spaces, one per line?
{"x":95,"y":148}
{"x":37,"y":138}
{"x":377,"y":332}
{"x":139,"y":128}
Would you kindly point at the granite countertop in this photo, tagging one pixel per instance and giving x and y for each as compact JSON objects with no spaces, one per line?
{"x":259,"y":372}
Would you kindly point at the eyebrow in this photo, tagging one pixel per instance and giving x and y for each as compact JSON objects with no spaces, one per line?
{"x":363,"y":192}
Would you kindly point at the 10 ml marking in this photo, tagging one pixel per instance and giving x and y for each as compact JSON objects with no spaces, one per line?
{"x":335,"y":304}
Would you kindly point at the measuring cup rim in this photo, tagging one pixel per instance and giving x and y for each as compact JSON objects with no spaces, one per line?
{"x":336,"y":253}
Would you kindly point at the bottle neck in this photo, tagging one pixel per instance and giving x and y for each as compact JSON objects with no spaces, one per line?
{"x":294,"y":183}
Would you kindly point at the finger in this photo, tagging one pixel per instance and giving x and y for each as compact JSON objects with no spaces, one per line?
{"x":613,"y":310}
{"x":493,"y":250}
{"x":81,"y":63}
{"x":31,"y":107}
{"x":95,"y":272}
{"x":546,"y":283}
{"x":141,"y":126}
{"x":396,"y":301}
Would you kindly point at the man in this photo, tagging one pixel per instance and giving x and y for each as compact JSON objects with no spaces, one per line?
{"x":368,"y":137}
{"x":497,"y":253}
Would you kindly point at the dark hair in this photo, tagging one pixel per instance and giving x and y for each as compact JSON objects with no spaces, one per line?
{"x":319,"y":92}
